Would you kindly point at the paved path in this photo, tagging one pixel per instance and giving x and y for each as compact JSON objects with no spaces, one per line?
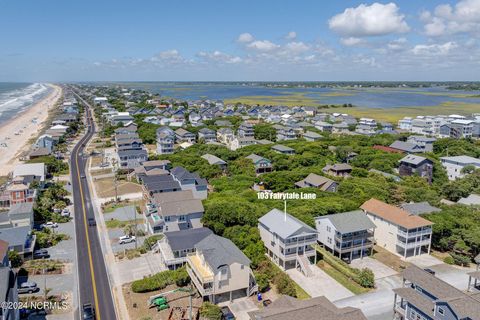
{"x":320,"y":284}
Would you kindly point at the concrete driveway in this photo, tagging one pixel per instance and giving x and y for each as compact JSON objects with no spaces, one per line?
{"x":424,"y":261}
{"x":320,"y":284}
{"x":241,"y":307}
{"x":379,"y":269}
{"x":126,"y":271}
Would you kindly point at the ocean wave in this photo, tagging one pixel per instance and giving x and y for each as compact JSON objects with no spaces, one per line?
{"x":18,"y":100}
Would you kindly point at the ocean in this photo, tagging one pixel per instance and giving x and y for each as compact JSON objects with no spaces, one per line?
{"x":18,"y":97}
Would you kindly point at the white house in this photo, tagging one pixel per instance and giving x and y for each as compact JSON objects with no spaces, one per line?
{"x":454,"y":165}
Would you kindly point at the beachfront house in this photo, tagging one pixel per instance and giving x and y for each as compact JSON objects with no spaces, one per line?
{"x":316,"y":181}
{"x":220,"y":271}
{"x":261,"y":164}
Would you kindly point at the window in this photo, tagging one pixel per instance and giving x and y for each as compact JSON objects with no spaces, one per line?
{"x":329,"y":229}
{"x":441,"y":311}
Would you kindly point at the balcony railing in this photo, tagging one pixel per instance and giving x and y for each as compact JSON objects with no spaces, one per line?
{"x":198,"y":284}
{"x":415,"y":233}
{"x":413,"y":244}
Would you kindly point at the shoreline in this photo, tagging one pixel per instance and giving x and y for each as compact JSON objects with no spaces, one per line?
{"x":27,"y":129}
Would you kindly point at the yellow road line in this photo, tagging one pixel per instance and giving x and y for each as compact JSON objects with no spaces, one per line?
{"x":92,"y":272}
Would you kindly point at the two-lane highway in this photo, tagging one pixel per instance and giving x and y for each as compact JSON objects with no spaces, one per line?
{"x":94,"y":287}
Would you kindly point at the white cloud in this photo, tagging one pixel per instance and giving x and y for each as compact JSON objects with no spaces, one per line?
{"x":292,"y":35}
{"x":397,"y":44}
{"x":352,"y":41}
{"x":219,"y":57}
{"x":262,"y":45}
{"x":374,"y":20}
{"x":245,"y":38}
{"x":464,"y":17}
{"x":434,"y":49}
{"x":297,"y":47}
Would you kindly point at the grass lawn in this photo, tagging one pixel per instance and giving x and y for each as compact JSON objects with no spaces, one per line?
{"x":342,"y":279}
{"x":301,"y":294}
{"x":389,"y":259}
{"x":115,"y":205}
{"x":114,"y":223}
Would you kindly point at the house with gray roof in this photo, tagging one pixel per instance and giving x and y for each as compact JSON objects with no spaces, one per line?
{"x":214,"y":160}
{"x":165,"y":140}
{"x":424,"y":296}
{"x":416,"y":165}
{"x":386,"y":175}
{"x":131,"y":158}
{"x":311,"y":136}
{"x":159,"y":184}
{"x":261,"y":164}
{"x":182,"y":135}
{"x":280,"y":148}
{"x":348,"y":235}
{"x":418,"y":208}
{"x":471,"y":200}
{"x":318,"y":308}
{"x":454,"y":165}
{"x":19,"y":239}
{"x":176,"y":245}
{"x":174,"y":211}
{"x":316,"y":181}
{"x":338,"y":169}
{"x":207,"y":135}
{"x":288,"y":241}
{"x":19,"y":215}
{"x":190,"y":181}
{"x":220,"y":271}
{"x":407,"y":147}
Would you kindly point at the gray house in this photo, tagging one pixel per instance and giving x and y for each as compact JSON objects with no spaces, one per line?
{"x":288,"y":240}
{"x":214,"y":160}
{"x":261,"y":164}
{"x":207,"y":135}
{"x":424,"y":296}
{"x":315,"y":181}
{"x":176,"y":245}
{"x":348,"y":235}
{"x":283,"y":149}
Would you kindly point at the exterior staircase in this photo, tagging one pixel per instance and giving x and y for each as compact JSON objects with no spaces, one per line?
{"x":304,"y":264}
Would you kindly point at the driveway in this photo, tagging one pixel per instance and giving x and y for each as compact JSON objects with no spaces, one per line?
{"x":241,"y":307}
{"x":379,"y":269}
{"x":320,"y":284}
{"x":425,"y":261}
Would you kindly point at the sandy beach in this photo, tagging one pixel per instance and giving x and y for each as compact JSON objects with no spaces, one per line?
{"x":17,"y":132}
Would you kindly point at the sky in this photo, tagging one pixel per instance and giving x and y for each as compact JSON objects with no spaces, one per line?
{"x":191,"y":40}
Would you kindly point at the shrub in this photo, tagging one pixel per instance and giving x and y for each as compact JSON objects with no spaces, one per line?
{"x":285,"y":285}
{"x":262,"y":282}
{"x":15,"y":259}
{"x":448,"y":260}
{"x":161,"y":280}
{"x":366,"y":278}
{"x":210,"y":311}
{"x":460,"y":260}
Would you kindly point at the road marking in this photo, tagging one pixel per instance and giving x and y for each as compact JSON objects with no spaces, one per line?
{"x":92,"y":272}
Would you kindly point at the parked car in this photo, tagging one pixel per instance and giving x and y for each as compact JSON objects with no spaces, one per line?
{"x":92,"y":222}
{"x":88,"y":312}
{"x":28,"y":287}
{"x":50,"y":224}
{"x":65,"y":213}
{"x":227,"y":313}
{"x":82,"y":176}
{"x":40,"y":254}
{"x":126,"y":239}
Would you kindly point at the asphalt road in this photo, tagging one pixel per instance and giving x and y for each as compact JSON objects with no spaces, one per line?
{"x":94,"y":287}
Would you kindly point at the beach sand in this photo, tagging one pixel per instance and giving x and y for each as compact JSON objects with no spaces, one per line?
{"x":24,"y":125}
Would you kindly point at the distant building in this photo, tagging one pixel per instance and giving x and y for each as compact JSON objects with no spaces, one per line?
{"x":316,"y":181}
{"x":182,"y":135}
{"x":338,"y":169}
{"x":214,"y":160}
{"x":246,"y":130}
{"x":283,"y":149}
{"x":454,"y":165}
{"x":412,"y":164}
{"x":261,"y":164}
{"x":207,"y":135}
{"x":311,"y":136}
{"x":165,"y":140}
